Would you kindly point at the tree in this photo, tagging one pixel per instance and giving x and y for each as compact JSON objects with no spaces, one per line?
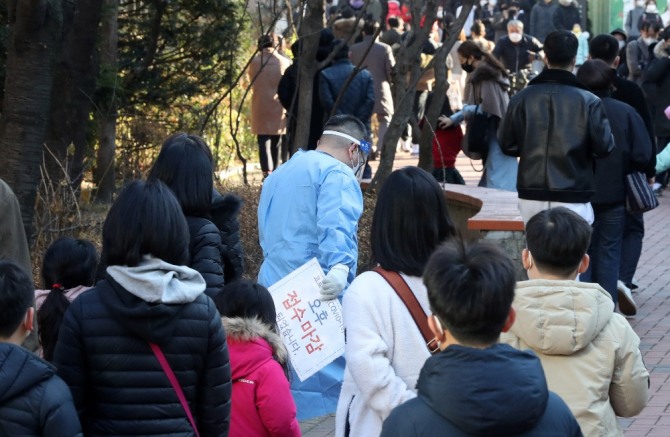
{"x":104,"y":174}
{"x":407,"y":74}
{"x":74,"y":85}
{"x":36,"y":28}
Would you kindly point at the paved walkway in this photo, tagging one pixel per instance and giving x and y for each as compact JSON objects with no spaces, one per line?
{"x":652,"y":322}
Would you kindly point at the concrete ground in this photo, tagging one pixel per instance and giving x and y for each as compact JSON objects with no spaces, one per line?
{"x":652,"y":322}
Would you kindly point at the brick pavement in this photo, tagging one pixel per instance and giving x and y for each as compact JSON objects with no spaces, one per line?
{"x":652,"y":322}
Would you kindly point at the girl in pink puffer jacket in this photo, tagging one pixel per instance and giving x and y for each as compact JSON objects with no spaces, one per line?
{"x":262,"y":402}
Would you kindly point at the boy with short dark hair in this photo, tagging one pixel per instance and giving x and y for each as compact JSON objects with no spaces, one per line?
{"x":475,"y":386}
{"x":590,"y":354}
{"x":33,"y":400}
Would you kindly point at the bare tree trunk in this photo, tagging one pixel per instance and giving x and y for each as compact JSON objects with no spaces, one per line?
{"x":74,"y":84}
{"x":35,"y":31}
{"x":407,"y":67}
{"x":440,"y":90}
{"x":310,"y":29}
{"x":104,"y":172}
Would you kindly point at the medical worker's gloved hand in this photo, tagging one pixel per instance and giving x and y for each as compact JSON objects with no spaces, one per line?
{"x":334,"y":282}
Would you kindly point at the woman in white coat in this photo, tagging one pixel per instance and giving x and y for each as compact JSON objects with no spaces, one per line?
{"x":385,"y":349}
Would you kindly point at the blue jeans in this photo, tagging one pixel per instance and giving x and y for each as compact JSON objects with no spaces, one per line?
{"x":500,"y":169}
{"x":605,"y":248}
{"x":631,"y":247}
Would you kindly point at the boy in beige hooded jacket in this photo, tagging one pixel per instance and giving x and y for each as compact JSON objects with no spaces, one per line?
{"x":590,"y":355}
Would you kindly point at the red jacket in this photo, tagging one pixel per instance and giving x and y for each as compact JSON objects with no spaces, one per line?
{"x":262,"y":401}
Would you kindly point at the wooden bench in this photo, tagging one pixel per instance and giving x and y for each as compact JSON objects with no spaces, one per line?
{"x":497,"y":210}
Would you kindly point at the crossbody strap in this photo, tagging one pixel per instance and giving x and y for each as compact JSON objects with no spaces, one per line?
{"x":175,"y":383}
{"x":413,"y":306}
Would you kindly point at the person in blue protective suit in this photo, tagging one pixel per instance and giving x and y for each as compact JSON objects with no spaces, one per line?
{"x":309,"y":207}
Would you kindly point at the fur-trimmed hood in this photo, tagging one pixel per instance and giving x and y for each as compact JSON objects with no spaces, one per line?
{"x":661,"y":50}
{"x":251,"y":343}
{"x":485,"y":71}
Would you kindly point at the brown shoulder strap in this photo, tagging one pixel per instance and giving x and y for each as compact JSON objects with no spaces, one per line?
{"x":413,"y":306}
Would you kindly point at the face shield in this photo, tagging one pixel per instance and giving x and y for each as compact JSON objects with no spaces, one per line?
{"x":363,"y":151}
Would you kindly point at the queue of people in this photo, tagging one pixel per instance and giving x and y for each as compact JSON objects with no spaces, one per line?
{"x":172,"y":341}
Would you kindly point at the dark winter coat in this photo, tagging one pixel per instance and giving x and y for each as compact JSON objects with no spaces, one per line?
{"x":657,"y":86}
{"x":516,"y":57}
{"x":495,"y":391}
{"x":359,"y":98}
{"x":632,"y":152}
{"x":286,"y":91}
{"x":542,"y":20}
{"x":225,"y":215}
{"x":566,"y":16}
{"x":629,"y":92}
{"x":205,"y":249}
{"x":557,"y":128}
{"x":117,"y":383}
{"x":33,"y":400}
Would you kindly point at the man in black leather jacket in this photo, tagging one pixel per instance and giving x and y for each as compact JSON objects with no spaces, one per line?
{"x":557,"y":128}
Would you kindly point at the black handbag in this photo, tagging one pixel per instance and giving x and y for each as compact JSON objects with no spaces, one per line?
{"x":478,"y":133}
{"x":476,"y":140}
{"x":639,"y":195}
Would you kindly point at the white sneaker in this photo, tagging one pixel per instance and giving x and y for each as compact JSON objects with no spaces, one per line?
{"x":405,"y":145}
{"x":625,"y":297}
{"x":415,"y":149}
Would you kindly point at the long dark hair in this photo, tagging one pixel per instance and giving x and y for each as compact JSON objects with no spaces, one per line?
{"x":67,"y":263}
{"x":248,"y":300}
{"x":410,"y":220}
{"x":185,"y":164}
{"x":469,"y":48}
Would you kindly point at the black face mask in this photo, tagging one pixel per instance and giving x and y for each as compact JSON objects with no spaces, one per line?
{"x":468,"y":68}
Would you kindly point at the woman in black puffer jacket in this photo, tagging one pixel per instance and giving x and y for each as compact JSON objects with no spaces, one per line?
{"x":104,"y":350}
{"x":185,"y":165}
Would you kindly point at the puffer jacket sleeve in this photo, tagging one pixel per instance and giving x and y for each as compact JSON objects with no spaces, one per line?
{"x":205,"y":249}
{"x":69,"y":357}
{"x":629,"y":389}
{"x":663,"y":159}
{"x":225,"y":215}
{"x":274,"y":402}
{"x":602,"y":141}
{"x":214,"y":399}
{"x":58,"y":413}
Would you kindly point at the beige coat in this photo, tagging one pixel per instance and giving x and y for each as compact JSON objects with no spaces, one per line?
{"x":267,"y":113}
{"x":379,"y":62}
{"x":590,"y":355}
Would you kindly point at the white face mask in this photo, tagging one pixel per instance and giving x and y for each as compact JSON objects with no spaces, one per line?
{"x":649,"y":41}
{"x":565,"y":2}
{"x":493,"y":2}
{"x":651,"y":9}
{"x":622,"y":44}
{"x":358,"y":167}
{"x":515,"y":37}
{"x":639,"y":4}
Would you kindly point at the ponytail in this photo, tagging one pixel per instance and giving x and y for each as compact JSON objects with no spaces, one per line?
{"x":67,"y":263}
{"x":49,"y":319}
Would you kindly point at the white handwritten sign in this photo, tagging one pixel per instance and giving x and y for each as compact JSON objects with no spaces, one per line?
{"x":312,"y":329}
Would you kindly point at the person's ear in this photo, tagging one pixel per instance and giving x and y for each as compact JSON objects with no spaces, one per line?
{"x":511,"y":317}
{"x":584,"y":264}
{"x":28,"y":323}
{"x":436,"y":328}
{"x":615,"y":64}
{"x":526,"y":259}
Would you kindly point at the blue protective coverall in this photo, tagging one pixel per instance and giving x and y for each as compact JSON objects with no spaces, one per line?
{"x":309,"y":207}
